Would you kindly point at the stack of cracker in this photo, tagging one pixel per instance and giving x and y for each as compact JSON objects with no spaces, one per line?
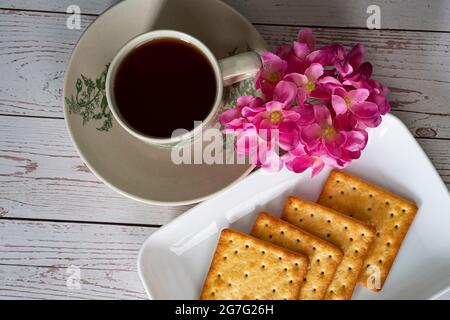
{"x":316,"y":250}
{"x":389,"y":214}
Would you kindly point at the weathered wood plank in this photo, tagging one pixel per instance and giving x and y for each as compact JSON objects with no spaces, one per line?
{"x":39,"y":165}
{"x":34,"y":51}
{"x":86,"y":6}
{"x":43,"y":177}
{"x":415,"y":65}
{"x":57,"y":244}
{"x":439,"y":153}
{"x":49,"y":283}
{"x":35,"y":47}
{"x":35,"y":257}
{"x":395,"y":14}
{"x":424,"y":125}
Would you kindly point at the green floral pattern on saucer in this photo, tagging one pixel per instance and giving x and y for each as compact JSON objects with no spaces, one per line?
{"x":90,"y":101}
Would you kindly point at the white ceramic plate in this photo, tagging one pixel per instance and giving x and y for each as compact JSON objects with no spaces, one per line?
{"x":126,"y":164}
{"x":174,"y":260}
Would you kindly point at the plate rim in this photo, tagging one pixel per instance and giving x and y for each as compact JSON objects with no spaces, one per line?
{"x":69,"y":128}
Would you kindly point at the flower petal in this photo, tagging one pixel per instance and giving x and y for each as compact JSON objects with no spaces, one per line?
{"x":311,"y":135}
{"x":290,"y":115}
{"x":306,"y":36}
{"x":274,"y":106}
{"x":288,"y":140}
{"x":356,"y":140}
{"x":247,"y":142}
{"x":381,"y":101}
{"x":273,"y":62}
{"x":356,"y":55}
{"x":228,"y":115}
{"x":300,"y":50}
{"x":317,"y":167}
{"x":299,"y":79}
{"x":299,"y":164}
{"x":339,"y":105}
{"x":306,"y":113}
{"x":285,"y":92}
{"x":314,"y":72}
{"x":365,"y":110}
{"x":329,"y":80}
{"x":370,"y":123}
{"x":358,"y":95}
{"x":345,"y":122}
{"x":322,"y":115}
{"x":334,"y":145}
{"x":244,"y":100}
{"x":249,"y":112}
{"x":283,"y":51}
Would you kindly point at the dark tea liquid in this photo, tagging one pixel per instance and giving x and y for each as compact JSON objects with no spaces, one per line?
{"x":164,"y":85}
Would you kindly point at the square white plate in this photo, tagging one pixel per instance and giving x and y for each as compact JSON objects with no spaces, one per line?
{"x":174,"y":260}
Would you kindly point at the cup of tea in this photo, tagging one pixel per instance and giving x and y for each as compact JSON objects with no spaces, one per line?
{"x":164,"y":86}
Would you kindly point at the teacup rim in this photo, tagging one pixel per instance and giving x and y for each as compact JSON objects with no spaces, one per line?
{"x":151,"y":36}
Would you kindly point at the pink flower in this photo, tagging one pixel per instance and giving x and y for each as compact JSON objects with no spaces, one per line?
{"x":379,"y":96}
{"x":270,"y":74}
{"x":275,"y":115}
{"x":297,"y":54}
{"x":359,"y":79}
{"x":318,"y":105}
{"x":323,"y":138}
{"x":298,"y":161}
{"x":246,"y":108}
{"x":354,"y":101}
{"x":352,"y":61}
{"x":260,"y":150}
{"x":305,"y":36}
{"x":307,"y":82}
{"x":280,"y":122}
{"x":328,"y":56}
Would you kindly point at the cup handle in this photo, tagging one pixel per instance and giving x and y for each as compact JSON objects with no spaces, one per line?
{"x":239,"y":67}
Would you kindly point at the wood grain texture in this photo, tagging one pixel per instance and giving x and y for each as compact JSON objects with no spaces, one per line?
{"x":34,"y":51}
{"x":36,"y":171}
{"x":42,"y":176}
{"x":49,"y":283}
{"x":415,"y":65}
{"x":87,"y":6}
{"x":57,"y":244}
{"x":35,"y":257}
{"x":395,"y":14}
{"x":439,"y":153}
{"x":35,"y":48}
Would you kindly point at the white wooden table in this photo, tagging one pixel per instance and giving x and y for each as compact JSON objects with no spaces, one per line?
{"x":56,"y":215}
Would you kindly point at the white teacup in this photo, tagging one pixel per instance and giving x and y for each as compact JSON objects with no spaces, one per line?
{"x":227,"y":71}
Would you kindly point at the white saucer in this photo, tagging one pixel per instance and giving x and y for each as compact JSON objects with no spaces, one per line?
{"x":127,"y":165}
